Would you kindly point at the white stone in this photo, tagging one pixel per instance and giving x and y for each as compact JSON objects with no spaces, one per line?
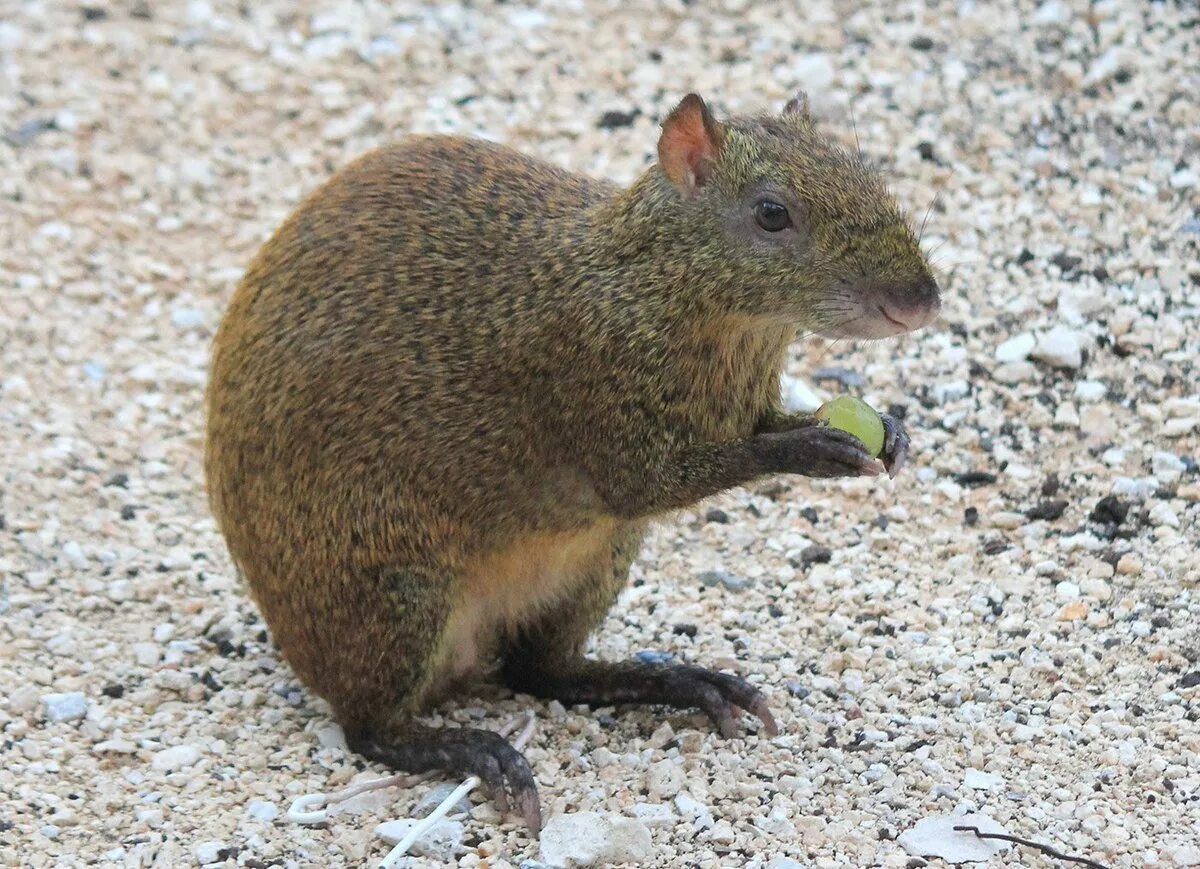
{"x":187,"y":318}
{"x":936,"y":837}
{"x":442,"y":841}
{"x":263,"y":810}
{"x":209,"y":852}
{"x":1183,"y":854}
{"x":175,"y":758}
{"x":815,"y":72}
{"x":1059,"y":347}
{"x":1162,"y":514}
{"x":1090,"y":391}
{"x":24,"y":700}
{"x":1067,"y":591}
{"x":437,"y":795}
{"x":798,"y":396}
{"x":1167,"y":467}
{"x":944,"y":393}
{"x":653,"y":814}
{"x":1017,"y":348}
{"x":982,"y":781}
{"x":592,"y":839}
{"x":1137,"y":490}
{"x":65,"y":707}
{"x":147,"y":654}
{"x":664,"y":779}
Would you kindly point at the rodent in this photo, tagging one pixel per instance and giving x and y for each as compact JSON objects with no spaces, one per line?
{"x":454,"y":387}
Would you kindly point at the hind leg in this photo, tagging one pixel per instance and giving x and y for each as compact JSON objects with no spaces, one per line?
{"x":382,"y":672}
{"x":545,"y":658}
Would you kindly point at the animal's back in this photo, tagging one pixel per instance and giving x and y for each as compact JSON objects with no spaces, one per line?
{"x":379,"y":342}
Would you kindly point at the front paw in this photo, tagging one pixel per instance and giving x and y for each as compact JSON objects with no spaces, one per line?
{"x":895,"y":444}
{"x":819,"y":451}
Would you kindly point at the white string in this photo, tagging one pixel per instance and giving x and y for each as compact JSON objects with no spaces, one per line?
{"x":422,"y":826}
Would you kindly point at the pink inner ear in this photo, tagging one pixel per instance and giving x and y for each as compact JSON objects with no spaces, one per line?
{"x":685,"y":148}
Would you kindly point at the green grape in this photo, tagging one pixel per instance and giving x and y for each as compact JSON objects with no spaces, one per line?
{"x":856,"y":417}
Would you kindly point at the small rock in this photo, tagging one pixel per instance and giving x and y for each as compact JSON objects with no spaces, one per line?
{"x":783,"y":863}
{"x":1016,"y":348}
{"x":944,"y":393}
{"x":1008,"y":520}
{"x":24,"y":700}
{"x":798,"y":396}
{"x":187,"y":318}
{"x":1162,"y":514}
{"x":435,"y":796}
{"x":1090,"y":391}
{"x":982,"y":781}
{"x":65,"y":707}
{"x":1059,"y":347}
{"x":720,"y":577}
{"x":936,"y":837}
{"x":592,"y":838}
{"x":1073,"y":612}
{"x":1167,"y":467}
{"x":263,"y":810}
{"x":653,"y":815}
{"x":210,"y":852}
{"x":442,"y":841}
{"x":175,"y":758}
{"x":664,"y":780}
{"x":1184,"y":854}
{"x":1067,"y":591}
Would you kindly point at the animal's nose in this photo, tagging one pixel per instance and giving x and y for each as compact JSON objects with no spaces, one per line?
{"x":914,"y":309}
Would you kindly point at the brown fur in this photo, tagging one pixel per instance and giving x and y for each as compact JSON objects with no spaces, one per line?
{"x":457,"y":382}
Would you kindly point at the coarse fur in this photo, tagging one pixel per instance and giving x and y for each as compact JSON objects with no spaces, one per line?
{"x":455,"y":385}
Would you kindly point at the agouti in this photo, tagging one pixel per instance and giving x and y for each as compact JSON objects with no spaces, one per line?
{"x":456,"y":385}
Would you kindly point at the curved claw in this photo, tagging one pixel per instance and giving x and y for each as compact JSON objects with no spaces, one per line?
{"x":896,"y":444}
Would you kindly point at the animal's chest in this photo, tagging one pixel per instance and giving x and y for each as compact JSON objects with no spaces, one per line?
{"x":506,"y":589}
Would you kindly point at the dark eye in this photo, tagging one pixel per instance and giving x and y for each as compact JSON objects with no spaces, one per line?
{"x":772,"y":216}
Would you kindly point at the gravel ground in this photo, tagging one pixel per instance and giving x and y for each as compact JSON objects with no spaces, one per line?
{"x":1012,"y":627}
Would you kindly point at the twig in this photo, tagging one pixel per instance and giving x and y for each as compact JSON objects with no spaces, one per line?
{"x":1045,"y":849}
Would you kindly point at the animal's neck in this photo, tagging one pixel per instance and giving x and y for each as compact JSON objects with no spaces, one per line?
{"x":728,"y":370}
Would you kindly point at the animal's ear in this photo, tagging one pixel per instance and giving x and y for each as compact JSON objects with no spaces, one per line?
{"x":690,"y":144}
{"x":798,"y":105}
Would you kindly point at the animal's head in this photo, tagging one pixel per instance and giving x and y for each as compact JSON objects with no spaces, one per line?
{"x":796,"y":226}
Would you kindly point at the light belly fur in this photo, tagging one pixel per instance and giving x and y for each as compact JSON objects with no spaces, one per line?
{"x":504,"y":589}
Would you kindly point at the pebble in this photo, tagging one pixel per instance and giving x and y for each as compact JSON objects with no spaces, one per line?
{"x":1162,"y":514}
{"x":262,"y":810}
{"x":1067,"y":590}
{"x":65,"y":707}
{"x":443,"y":841}
{"x":1167,"y":467}
{"x":936,"y":837}
{"x":175,"y":758}
{"x":594,"y":839}
{"x":1016,"y":348}
{"x":653,"y":815}
{"x":982,"y":781}
{"x":435,"y":796}
{"x":1059,"y":347}
{"x":720,"y":577}
{"x":207,"y":853}
{"x":24,"y":700}
{"x":1090,"y":391}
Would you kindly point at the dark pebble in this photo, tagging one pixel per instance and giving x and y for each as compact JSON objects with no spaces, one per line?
{"x":121,"y":481}
{"x":971,"y":516}
{"x":810,"y":514}
{"x":613,"y":119}
{"x":685,"y":630}
{"x":1025,"y":256}
{"x":29,"y":131}
{"x":975,"y":478}
{"x":815,"y":554}
{"x":128,"y":512}
{"x":925,"y":149}
{"x":1109,"y":510}
{"x":716,"y":515}
{"x":1066,"y":262}
{"x":921,"y":43}
{"x":1048,"y":510}
{"x":116,"y":690}
{"x":1190,"y":680}
{"x":995,"y":546}
{"x":797,"y":690}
